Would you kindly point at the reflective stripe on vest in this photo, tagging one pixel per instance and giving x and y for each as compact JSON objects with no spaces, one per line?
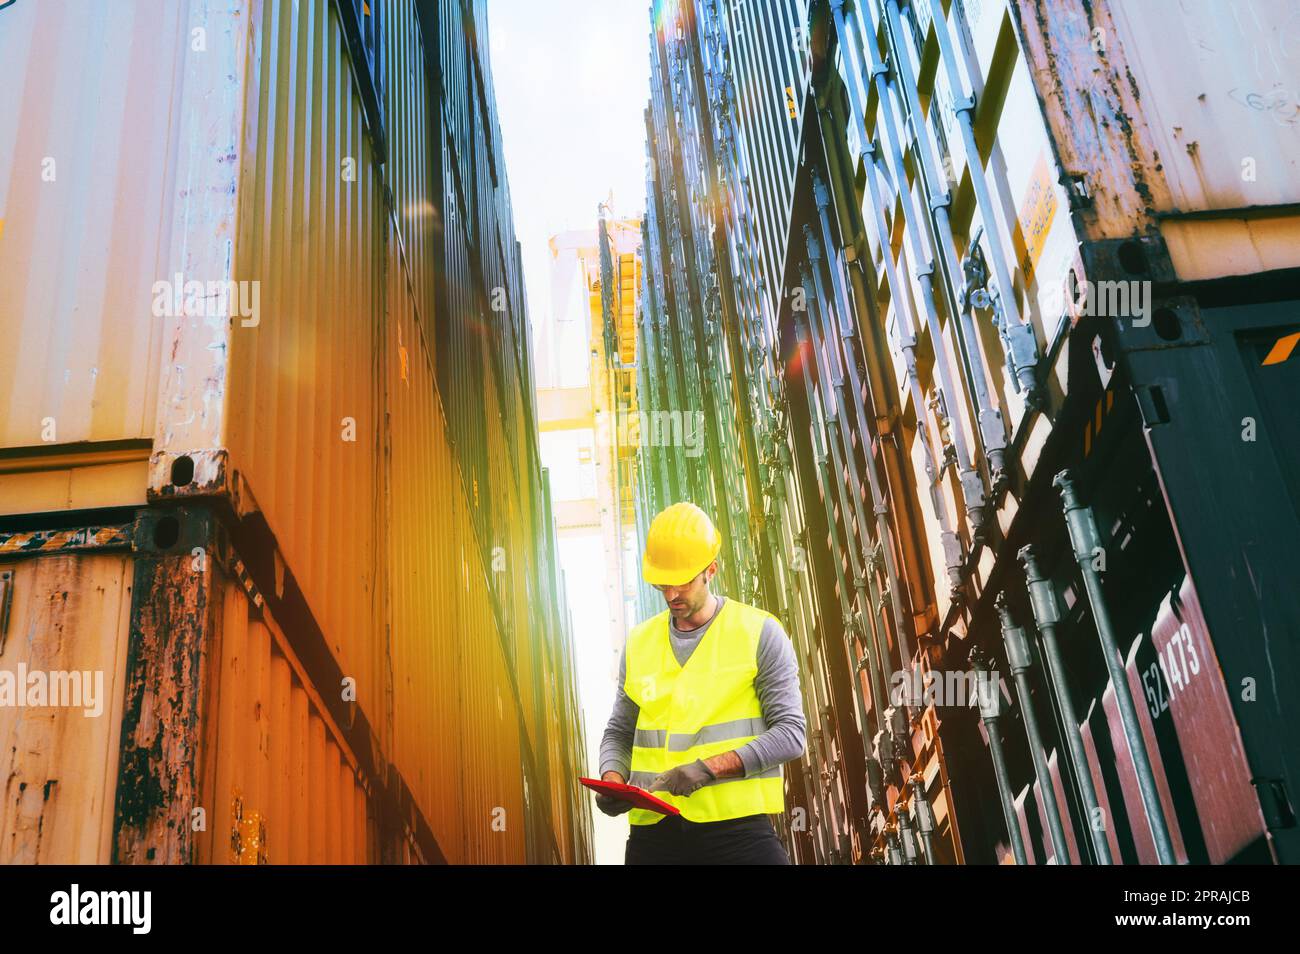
{"x":704,"y":708}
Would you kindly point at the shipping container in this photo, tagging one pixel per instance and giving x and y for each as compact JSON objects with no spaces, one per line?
{"x":266,"y":316}
{"x":231,"y":737}
{"x":1004,"y":323}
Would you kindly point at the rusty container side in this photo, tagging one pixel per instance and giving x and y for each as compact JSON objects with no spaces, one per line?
{"x":1193,"y":739}
{"x":280,"y":784}
{"x":302,"y":411}
{"x":276,"y":781}
{"x":69,"y":612}
{"x":1191,"y":140}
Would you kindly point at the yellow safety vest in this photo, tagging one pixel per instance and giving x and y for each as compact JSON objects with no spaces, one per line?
{"x":702,"y":709}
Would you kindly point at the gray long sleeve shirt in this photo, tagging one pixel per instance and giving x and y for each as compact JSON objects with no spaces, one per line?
{"x":777,"y":686}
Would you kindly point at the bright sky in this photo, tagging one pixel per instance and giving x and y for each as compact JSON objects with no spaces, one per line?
{"x":572,"y":82}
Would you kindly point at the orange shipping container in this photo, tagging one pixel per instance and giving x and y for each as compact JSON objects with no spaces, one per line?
{"x":218,"y":305}
{"x":270,"y":778}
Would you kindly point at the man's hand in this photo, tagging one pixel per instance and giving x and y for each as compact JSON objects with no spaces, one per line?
{"x":609,"y":804}
{"x":684,"y":779}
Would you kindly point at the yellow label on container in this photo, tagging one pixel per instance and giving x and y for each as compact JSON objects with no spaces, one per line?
{"x":1034,"y":218}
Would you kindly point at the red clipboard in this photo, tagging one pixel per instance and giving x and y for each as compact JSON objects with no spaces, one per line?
{"x":630,"y":793}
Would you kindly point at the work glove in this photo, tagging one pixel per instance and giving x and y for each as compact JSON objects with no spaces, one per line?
{"x":612,"y":806}
{"x":684,"y":779}
{"x":608,"y":803}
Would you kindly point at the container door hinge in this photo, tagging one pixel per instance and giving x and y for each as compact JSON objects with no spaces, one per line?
{"x":1274,"y":802}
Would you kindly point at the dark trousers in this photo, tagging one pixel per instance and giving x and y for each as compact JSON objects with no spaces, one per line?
{"x":735,"y":841}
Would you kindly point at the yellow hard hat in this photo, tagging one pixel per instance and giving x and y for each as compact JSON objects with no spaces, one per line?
{"x":682,"y":541}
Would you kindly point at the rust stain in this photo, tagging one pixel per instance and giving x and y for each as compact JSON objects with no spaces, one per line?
{"x":165,"y":681}
{"x":1084,"y":80}
{"x":67,"y":616}
{"x":210,"y":474}
{"x":247,"y":833}
{"x":1132,"y":85}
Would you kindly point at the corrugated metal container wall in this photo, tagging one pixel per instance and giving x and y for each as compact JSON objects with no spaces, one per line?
{"x":560,"y":782}
{"x":313,"y":427}
{"x":456,"y":98}
{"x":571,"y":729}
{"x":767,"y":46}
{"x":69,"y":613}
{"x":700,"y":249}
{"x":81,"y":345}
{"x":491,"y":754}
{"x":672,"y":96}
{"x":949,"y":196}
{"x":526,"y":628}
{"x":460,"y":351}
{"x":295,"y":399}
{"x":303,"y":412}
{"x":1032,"y":208}
{"x":279,"y":785}
{"x":461,"y":740}
{"x":486,"y":216}
{"x":509,"y":563}
{"x":284,"y":787}
{"x":411,"y":167}
{"x":423,"y":571}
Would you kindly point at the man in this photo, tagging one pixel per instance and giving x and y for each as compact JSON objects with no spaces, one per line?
{"x":708,"y":709}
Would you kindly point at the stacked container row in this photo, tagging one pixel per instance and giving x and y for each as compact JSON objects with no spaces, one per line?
{"x":260,"y":475}
{"x":1005,"y":412}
